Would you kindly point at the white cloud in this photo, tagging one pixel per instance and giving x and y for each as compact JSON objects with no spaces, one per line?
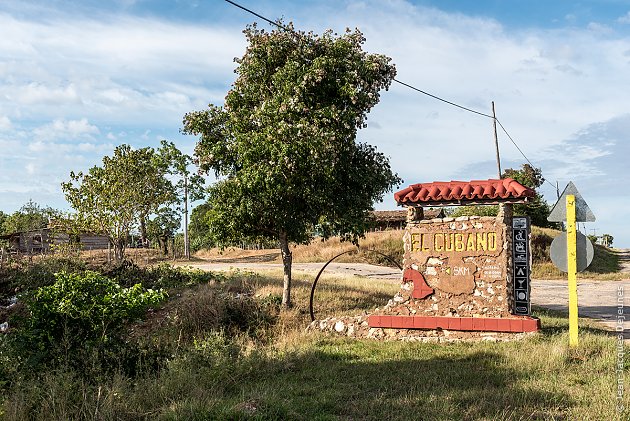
{"x":599,"y":28}
{"x":66,"y":129}
{"x":30,"y":168}
{"x":37,"y":93}
{"x":125,"y":69}
{"x":5,"y":123}
{"x":625,"y":19}
{"x":74,"y":86}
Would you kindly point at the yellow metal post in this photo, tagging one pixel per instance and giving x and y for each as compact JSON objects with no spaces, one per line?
{"x":572,"y":271}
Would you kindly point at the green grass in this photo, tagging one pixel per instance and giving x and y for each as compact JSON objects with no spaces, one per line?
{"x":336,"y":378}
{"x":212,"y":372}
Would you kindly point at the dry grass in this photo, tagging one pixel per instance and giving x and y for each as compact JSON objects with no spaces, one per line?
{"x":387,"y":242}
{"x":605,"y":265}
{"x":315,"y":376}
{"x":232,"y":252}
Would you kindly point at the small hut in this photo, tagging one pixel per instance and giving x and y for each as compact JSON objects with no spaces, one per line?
{"x":41,"y":240}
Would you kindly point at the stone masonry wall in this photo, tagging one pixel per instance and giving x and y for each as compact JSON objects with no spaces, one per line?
{"x":465,"y":260}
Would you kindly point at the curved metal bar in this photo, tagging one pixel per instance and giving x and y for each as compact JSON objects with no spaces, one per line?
{"x":310,"y":304}
{"x":390,"y":258}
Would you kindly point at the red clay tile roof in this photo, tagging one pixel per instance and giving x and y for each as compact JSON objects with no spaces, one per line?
{"x":505,"y":190}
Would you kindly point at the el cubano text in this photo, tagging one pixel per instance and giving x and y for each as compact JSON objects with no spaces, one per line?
{"x":471,"y":241}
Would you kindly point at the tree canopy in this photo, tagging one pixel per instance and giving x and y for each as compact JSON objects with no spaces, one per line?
{"x":114,"y":198}
{"x":284,"y":146}
{"x":538,"y":209}
{"x":31,"y":216}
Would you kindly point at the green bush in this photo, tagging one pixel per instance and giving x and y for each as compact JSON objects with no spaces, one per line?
{"x":24,"y":275}
{"x":161,"y":276}
{"x":80,"y":318}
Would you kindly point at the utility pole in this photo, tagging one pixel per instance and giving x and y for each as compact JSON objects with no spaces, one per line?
{"x":186,"y":239}
{"x":496,"y":139}
{"x":557,"y":190}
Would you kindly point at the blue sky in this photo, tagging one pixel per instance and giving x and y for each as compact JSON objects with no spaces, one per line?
{"x":78,"y":78}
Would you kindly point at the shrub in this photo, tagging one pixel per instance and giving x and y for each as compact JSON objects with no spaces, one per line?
{"x":541,"y":244}
{"x":80,"y":318}
{"x":205,"y":310}
{"x":24,"y":275}
{"x":161,"y":276}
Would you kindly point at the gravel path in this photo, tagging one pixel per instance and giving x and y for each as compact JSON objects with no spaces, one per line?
{"x":598,"y":300}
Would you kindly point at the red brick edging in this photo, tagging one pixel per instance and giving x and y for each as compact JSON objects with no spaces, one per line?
{"x":484,"y":324}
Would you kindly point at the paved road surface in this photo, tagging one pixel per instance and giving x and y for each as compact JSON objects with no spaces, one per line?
{"x":596,"y":299}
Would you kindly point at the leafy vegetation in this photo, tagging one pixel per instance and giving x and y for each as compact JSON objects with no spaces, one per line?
{"x":129,"y":188}
{"x":198,"y":229}
{"x":284,"y":144}
{"x":537,"y":209}
{"x":188,"y":186}
{"x":225,"y":352}
{"x":118,"y":196}
{"x":29,"y":217}
{"x":23,"y":275}
{"x":80,"y":313}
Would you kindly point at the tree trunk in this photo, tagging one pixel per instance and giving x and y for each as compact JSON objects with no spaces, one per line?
{"x":287,"y":259}
{"x":119,"y":250}
{"x":143,"y":229}
{"x":164,"y":245}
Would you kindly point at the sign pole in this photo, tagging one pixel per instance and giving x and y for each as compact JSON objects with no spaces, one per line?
{"x":572,"y":270}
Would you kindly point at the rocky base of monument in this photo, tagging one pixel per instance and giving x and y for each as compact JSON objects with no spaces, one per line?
{"x":358,"y":327}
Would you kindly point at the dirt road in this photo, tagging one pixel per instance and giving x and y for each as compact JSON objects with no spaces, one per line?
{"x":600,"y":300}
{"x":624,"y":260}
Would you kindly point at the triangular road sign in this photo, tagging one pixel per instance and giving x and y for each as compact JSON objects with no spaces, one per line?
{"x":582,"y":212}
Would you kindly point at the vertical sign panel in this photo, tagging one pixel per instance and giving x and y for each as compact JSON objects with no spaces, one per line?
{"x":520,"y":265}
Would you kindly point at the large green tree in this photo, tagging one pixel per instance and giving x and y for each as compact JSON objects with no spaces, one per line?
{"x":118,"y":196}
{"x":198,"y":228}
{"x":284,"y":146}
{"x":163,"y":226}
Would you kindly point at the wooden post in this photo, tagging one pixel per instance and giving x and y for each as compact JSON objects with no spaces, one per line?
{"x":572,"y":271}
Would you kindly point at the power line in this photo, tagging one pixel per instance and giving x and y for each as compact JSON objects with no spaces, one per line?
{"x":279,"y":25}
{"x":519,"y":149}
{"x":441,"y":99}
{"x":257,"y":15}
